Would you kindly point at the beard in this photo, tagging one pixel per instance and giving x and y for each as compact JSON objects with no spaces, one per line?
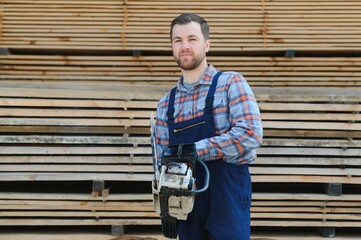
{"x":190,"y":62}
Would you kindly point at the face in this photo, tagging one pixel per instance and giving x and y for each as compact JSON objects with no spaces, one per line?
{"x":189,"y":46}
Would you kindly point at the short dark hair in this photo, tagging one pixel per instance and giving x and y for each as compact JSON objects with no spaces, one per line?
{"x":191,"y":17}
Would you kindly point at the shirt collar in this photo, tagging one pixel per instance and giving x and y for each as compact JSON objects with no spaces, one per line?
{"x":206,"y":80}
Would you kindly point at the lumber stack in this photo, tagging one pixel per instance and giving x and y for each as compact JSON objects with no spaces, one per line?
{"x":268,"y":209}
{"x":311,"y":135}
{"x":33,"y":209}
{"x":58,"y":130}
{"x":110,"y":70}
{"x":318,"y":210}
{"x":249,"y":25}
{"x":80,"y":79}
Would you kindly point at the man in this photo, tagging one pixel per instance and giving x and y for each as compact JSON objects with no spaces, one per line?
{"x":217,"y":112}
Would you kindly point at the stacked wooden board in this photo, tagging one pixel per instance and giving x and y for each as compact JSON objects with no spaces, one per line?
{"x":71,"y":116}
{"x":249,"y":25}
{"x":109,"y":70}
{"x":308,"y":132}
{"x":268,"y":209}
{"x":58,"y":132}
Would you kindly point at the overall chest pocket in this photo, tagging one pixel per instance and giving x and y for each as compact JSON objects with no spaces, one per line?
{"x":189,"y":126}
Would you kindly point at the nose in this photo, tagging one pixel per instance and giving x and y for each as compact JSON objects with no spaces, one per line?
{"x":185,"y":45}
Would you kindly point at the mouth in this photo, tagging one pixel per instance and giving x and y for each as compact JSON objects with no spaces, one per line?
{"x":185,"y":55}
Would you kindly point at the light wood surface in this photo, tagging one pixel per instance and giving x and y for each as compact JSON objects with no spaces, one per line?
{"x":268,"y":209}
{"x":330,"y":72}
{"x":235,"y":25}
{"x":76,"y":96}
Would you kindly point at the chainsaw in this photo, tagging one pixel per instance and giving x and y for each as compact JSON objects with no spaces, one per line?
{"x":174,"y":185}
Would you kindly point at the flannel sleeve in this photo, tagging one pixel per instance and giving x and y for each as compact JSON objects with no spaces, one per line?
{"x":161,"y":127}
{"x":237,"y":144}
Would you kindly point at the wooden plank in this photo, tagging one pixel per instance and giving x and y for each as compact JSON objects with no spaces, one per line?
{"x":305,"y":196}
{"x":305,"y":210}
{"x":69,"y":235}
{"x":79,"y":206}
{"x":78,"y":214}
{"x":310,"y":134}
{"x":10,"y":177}
{"x":302,"y":133}
{"x":289,"y":151}
{"x":103,"y":113}
{"x":86,"y":113}
{"x":84,"y":94}
{"x":49,"y":222}
{"x":306,"y":171}
{"x":72,"y":103}
{"x":136,"y":140}
{"x":307,"y":216}
{"x":75,"y":196}
{"x":306,"y":179}
{"x":78,"y":222}
{"x":76,"y":130}
{"x":72,"y":150}
{"x":273,"y":223}
{"x":154,"y":93}
{"x":103,"y":159}
{"x":145,"y":123}
{"x":93,"y":168}
{"x":85,"y":122}
{"x":306,"y":161}
{"x":106,"y":150}
{"x":140,"y":234}
{"x":93,"y":139}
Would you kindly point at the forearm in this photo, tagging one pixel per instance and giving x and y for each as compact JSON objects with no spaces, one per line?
{"x":234,"y":146}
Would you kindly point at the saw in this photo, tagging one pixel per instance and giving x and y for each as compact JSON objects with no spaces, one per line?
{"x":174,"y":185}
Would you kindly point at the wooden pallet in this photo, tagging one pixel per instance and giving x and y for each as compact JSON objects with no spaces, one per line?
{"x":235,"y":25}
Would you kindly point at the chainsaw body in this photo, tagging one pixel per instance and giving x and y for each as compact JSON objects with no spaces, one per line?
{"x":174,"y":185}
{"x":170,"y":191}
{"x":174,"y":189}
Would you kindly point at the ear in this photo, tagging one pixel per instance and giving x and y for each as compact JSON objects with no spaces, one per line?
{"x":207,"y":45}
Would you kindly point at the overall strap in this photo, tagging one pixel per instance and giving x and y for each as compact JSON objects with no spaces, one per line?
{"x":170,"y":111}
{"x":209,"y":99}
{"x":211,"y":91}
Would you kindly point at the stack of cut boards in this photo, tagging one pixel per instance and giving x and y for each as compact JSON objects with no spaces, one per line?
{"x":268,"y":209}
{"x":85,"y":75}
{"x":109,"y":70}
{"x":84,"y":119}
{"x":249,"y":25}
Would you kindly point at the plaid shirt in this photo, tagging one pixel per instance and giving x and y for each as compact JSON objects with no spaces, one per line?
{"x":236,"y":114}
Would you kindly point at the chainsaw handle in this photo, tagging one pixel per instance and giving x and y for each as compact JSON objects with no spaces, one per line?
{"x":185,"y":153}
{"x":206,"y":178}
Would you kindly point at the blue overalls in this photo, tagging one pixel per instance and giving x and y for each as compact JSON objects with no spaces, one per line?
{"x":223,"y":211}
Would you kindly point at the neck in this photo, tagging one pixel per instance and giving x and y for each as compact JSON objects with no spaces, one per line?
{"x":192,"y":76}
